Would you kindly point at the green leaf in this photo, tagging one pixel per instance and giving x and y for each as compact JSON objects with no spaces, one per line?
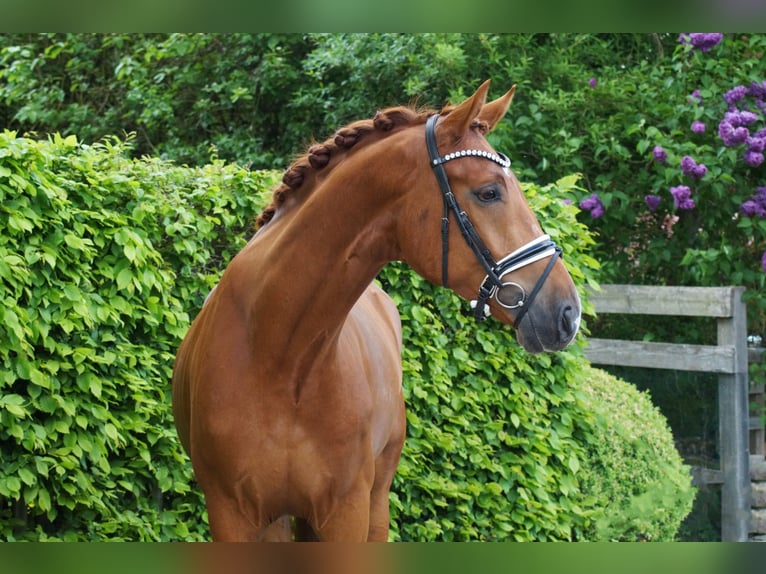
{"x":111,"y":431}
{"x":44,"y":500}
{"x":74,"y":242}
{"x":42,"y":467}
{"x":10,"y":486}
{"x":124,"y":278}
{"x":14,"y":404}
{"x":460,"y":354}
{"x":40,"y":379}
{"x":11,"y":320}
{"x":72,"y":292}
{"x":574,"y":464}
{"x":27,"y":477}
{"x":130,"y":251}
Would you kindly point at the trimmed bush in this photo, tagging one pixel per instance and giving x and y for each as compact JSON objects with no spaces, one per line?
{"x":632,"y":469}
{"x":100,"y":261}
{"x":103,"y":260}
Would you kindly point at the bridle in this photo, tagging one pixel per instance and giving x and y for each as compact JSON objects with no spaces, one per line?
{"x":493,"y":284}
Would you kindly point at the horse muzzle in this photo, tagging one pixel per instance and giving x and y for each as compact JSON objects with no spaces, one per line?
{"x":551,"y":325}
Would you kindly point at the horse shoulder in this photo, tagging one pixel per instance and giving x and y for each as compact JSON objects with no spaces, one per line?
{"x":381,"y":308}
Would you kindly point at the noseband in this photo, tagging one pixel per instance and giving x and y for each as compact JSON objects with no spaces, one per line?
{"x":493,"y":284}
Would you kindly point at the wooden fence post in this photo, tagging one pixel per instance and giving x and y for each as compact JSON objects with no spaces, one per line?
{"x":733,"y":427}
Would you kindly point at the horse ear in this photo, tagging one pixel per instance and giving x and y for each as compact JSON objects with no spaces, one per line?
{"x":459,"y":120}
{"x":494,"y":111}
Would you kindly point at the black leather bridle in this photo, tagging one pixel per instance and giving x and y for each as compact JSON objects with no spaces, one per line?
{"x":493,"y":284}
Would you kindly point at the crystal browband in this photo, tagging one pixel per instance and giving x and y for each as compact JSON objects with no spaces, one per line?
{"x":499,"y":158}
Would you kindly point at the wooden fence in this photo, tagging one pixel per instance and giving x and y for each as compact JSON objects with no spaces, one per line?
{"x":728,"y":358}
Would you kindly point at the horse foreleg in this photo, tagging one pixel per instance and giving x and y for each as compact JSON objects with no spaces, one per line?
{"x":227,"y":521}
{"x":348,"y":519}
{"x":385,"y":468}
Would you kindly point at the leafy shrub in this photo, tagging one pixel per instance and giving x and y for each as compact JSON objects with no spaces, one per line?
{"x":631,"y":466}
{"x":91,"y":316}
{"x":102,"y":262}
{"x":179,"y":93}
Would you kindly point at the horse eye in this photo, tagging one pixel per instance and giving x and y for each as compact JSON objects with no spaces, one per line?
{"x":487,"y":194}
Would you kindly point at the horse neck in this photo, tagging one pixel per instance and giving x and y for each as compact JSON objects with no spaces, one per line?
{"x":320,"y":257}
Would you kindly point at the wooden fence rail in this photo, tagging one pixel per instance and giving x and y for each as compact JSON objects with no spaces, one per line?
{"x":728,"y":359}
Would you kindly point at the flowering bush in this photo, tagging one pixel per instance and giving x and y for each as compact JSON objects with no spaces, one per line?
{"x":680,"y":201}
{"x":710,"y":65}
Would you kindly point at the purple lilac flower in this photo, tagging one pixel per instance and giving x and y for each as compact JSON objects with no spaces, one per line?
{"x":732,"y":136}
{"x":660,"y":154}
{"x":752,"y":208}
{"x":738,"y":118}
{"x":682,"y":197}
{"x":754,"y":158}
{"x":746,"y":118}
{"x":726,"y":132}
{"x":593,"y":82}
{"x":652,"y":201}
{"x":593,"y":204}
{"x":732,"y":118}
{"x":698,"y":127}
{"x":763,"y":261}
{"x":688,"y":164}
{"x":700,"y":41}
{"x":691,"y":167}
{"x":757,"y":90}
{"x":756,"y":143}
{"x":741,"y":135}
{"x":735,"y":94}
{"x":756,"y":205}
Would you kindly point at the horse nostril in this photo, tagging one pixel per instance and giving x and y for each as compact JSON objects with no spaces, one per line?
{"x":568,"y":323}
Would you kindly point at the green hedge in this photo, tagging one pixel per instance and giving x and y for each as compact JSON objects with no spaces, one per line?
{"x":103,"y":260}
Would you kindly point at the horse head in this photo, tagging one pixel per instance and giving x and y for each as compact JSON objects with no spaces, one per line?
{"x":494,"y":251}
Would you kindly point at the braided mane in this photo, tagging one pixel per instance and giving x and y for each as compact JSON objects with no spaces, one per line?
{"x":307,"y":170}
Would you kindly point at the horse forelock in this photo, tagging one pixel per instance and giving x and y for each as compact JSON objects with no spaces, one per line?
{"x":322,"y":157}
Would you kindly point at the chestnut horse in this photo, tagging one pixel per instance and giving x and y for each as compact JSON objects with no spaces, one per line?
{"x":287,"y":388}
